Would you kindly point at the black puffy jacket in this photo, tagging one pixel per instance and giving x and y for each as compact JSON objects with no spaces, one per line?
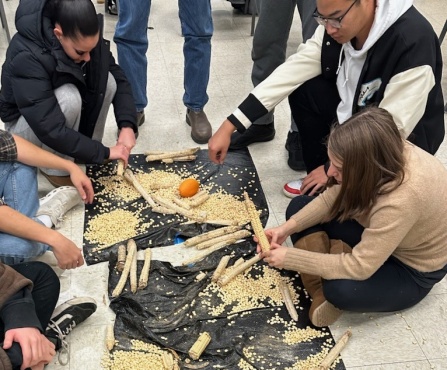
{"x":36,"y":65}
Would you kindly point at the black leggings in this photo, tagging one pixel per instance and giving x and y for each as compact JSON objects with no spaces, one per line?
{"x":391,"y":288}
{"x":45,"y":294}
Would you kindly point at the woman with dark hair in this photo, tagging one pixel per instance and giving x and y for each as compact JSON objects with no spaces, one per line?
{"x":373,"y":240}
{"x":59,"y":80}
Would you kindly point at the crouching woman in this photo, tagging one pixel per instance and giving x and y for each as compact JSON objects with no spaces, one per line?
{"x":374,"y":240}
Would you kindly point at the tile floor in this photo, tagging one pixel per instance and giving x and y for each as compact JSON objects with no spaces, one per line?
{"x":412,"y":339}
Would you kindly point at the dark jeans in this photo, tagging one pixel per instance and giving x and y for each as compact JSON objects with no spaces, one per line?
{"x":394,"y":286}
{"x":314,"y":109}
{"x":45,"y":294}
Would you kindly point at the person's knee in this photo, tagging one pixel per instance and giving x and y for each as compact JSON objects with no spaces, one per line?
{"x":111,"y":88}
{"x":296,"y":204}
{"x":70,"y":102}
{"x":339,"y":293}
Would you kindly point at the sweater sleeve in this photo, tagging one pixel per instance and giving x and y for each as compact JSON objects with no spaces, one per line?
{"x":388,"y":223}
{"x":302,"y":66}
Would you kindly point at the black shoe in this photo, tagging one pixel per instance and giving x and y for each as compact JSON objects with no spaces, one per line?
{"x":201,"y":130}
{"x":140,"y":118}
{"x":65,"y":318}
{"x":295,"y":149}
{"x":254,"y":134}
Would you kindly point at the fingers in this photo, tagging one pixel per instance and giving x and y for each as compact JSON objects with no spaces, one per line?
{"x":7,"y":342}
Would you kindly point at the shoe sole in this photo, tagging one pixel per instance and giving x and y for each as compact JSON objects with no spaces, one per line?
{"x":198,"y":141}
{"x":74,"y":302}
{"x":54,"y":184}
{"x":325,"y":314}
{"x":290,"y":194}
{"x":52,"y":193}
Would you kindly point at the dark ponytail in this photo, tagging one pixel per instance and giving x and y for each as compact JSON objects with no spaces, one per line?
{"x":76,"y":17}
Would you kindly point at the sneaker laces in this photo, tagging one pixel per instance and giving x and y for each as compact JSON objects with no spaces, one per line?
{"x":64,"y":352}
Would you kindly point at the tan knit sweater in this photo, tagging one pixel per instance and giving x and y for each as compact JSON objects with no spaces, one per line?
{"x":408,"y":223}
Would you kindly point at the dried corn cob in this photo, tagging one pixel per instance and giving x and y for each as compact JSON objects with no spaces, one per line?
{"x":120,"y":167}
{"x":228,"y":276}
{"x":133,"y":273}
{"x":256,"y":223}
{"x":239,"y":262}
{"x":144,"y":275}
{"x":182,"y":203}
{"x":131,"y":250}
{"x":241,"y":234}
{"x":199,"y":346}
{"x":208,"y":251}
{"x":200,"y":200}
{"x":121,"y":257}
{"x":335,"y":351}
{"x":180,"y":153}
{"x":220,"y":268}
{"x":210,"y":235}
{"x":168,"y":204}
{"x":110,"y":339}
{"x":129,"y":176}
{"x":287,"y":297}
{"x":200,"y":276}
{"x":168,"y":361}
{"x":185,"y":158}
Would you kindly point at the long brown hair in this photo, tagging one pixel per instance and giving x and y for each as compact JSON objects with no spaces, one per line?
{"x":370,"y":149}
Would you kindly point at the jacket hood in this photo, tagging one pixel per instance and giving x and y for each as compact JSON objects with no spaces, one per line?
{"x":387,"y":12}
{"x":31,"y":23}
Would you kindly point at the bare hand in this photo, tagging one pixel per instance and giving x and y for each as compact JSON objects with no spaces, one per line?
{"x":119,"y":151}
{"x":37,"y":350}
{"x":316,"y":180}
{"x":68,"y":255}
{"x":219,"y":142}
{"x":127,"y":138}
{"x":82,"y":184}
{"x":276,"y":256}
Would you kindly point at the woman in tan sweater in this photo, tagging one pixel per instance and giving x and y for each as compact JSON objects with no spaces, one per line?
{"x":386,"y":199}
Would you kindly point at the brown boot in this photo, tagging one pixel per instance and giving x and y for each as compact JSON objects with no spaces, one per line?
{"x":57,"y":181}
{"x":200,"y":126}
{"x":321,"y":312}
{"x":339,"y":247}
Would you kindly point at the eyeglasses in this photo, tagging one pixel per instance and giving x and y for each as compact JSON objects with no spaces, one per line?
{"x":333,"y":22}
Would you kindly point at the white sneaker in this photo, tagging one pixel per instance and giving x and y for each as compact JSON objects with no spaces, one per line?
{"x":58,"y":202}
{"x":292,"y":188}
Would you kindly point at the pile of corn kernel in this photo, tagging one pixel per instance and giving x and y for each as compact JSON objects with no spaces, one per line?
{"x":114,"y":223}
{"x":141,"y":356}
{"x":257,"y":288}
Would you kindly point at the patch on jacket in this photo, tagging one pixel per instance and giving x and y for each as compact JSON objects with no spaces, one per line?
{"x":367,"y":91}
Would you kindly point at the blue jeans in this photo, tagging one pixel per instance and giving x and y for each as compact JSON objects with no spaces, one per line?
{"x":18,"y":187}
{"x":132,"y":42}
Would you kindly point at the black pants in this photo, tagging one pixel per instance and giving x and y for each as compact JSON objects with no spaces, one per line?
{"x":45,"y":294}
{"x":314,"y":109}
{"x":392,"y":287}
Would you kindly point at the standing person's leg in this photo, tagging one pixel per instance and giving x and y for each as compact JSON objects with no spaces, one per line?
{"x":268,"y":52}
{"x":18,"y":187}
{"x":294,"y":148}
{"x":132,"y":42}
{"x":197,"y":29}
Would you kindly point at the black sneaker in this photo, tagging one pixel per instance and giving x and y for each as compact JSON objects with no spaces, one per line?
{"x":65,"y":318}
{"x":254,"y":134}
{"x":293,"y":146}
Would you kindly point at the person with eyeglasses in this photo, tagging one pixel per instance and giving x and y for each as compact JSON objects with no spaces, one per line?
{"x":363,"y":52}
{"x":58,"y":82}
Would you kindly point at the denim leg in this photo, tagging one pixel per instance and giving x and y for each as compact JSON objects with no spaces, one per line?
{"x":132,"y":42}
{"x":18,"y":186}
{"x":197,"y":30}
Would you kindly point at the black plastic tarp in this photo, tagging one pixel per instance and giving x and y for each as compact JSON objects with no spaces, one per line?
{"x":218,"y":176}
{"x":161,"y":314}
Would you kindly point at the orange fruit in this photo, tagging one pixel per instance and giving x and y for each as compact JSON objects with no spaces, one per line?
{"x":188,"y":188}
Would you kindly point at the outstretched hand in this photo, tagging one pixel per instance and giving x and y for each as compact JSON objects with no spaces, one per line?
{"x":219,"y":142}
{"x":37,"y":350}
{"x":82,"y":183}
